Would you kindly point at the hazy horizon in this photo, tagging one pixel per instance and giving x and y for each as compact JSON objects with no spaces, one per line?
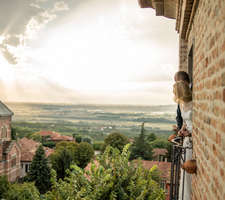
{"x":95,"y":104}
{"x":86,"y":52}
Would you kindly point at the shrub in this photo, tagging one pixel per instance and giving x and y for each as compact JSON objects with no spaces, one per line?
{"x":113,"y":178}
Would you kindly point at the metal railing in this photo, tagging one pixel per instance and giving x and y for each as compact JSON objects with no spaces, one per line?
{"x":178,"y":157}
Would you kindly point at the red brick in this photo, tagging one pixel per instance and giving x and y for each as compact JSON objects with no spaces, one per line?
{"x":223,"y":46}
{"x":224,"y":94}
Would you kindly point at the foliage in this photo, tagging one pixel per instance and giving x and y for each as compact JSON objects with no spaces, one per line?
{"x":113,"y":178}
{"x":116,"y":140}
{"x":40,"y":171}
{"x":85,"y":153}
{"x":4,"y":186}
{"x":49,"y":144}
{"x":25,"y":191}
{"x":151,"y":137}
{"x":13,"y":133}
{"x":141,"y":148}
{"x":22,"y":131}
{"x":65,"y":154}
{"x":77,"y":137}
{"x":36,"y":136}
{"x":155,"y":174}
{"x":98,"y":146}
{"x":87,"y":139}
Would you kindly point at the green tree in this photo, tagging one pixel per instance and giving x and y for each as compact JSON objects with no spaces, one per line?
{"x":114,"y":178}
{"x":25,"y":191}
{"x":40,"y":171}
{"x":141,"y":148}
{"x":4,"y":186}
{"x":116,"y":140}
{"x":87,"y":139}
{"x":65,"y":154}
{"x":13,"y":133}
{"x":98,"y":146}
{"x":78,"y":138}
{"x":85,"y":154}
{"x":151,"y":137}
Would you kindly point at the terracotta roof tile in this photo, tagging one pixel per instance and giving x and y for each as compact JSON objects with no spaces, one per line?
{"x":56,"y":136}
{"x":164,"y":167}
{"x":29,"y":147}
{"x":158,"y":151}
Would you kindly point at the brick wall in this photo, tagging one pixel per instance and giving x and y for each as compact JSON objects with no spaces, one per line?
{"x":1,"y":149}
{"x":208,"y":34}
{"x":5,"y":122}
{"x":12,"y":169}
{"x":183,"y":61}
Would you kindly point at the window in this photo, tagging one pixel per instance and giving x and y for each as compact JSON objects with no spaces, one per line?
{"x":4,"y":132}
{"x":13,"y":162}
{"x":26,"y":168}
{"x":190,"y":64}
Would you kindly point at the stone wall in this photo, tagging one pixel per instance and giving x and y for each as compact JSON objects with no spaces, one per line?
{"x":208,"y":34}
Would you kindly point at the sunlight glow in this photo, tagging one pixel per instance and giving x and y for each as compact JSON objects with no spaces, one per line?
{"x":103,"y":49}
{"x":7,"y":74}
{"x":1,"y":39}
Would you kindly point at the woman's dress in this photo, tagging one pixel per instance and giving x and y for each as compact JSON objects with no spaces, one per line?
{"x":185,"y":178}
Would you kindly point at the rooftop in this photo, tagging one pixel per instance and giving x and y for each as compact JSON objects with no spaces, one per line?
{"x":4,"y":110}
{"x":159,"y":151}
{"x":56,"y":136}
{"x":29,"y":147}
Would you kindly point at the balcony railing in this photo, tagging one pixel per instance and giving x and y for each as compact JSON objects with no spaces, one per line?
{"x":178,"y":157}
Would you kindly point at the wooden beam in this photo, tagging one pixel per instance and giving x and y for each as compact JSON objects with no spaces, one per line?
{"x":159,"y":8}
{"x":145,"y":3}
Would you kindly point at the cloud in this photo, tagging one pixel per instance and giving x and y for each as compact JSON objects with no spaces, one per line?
{"x":60,"y":6}
{"x":20,"y":20}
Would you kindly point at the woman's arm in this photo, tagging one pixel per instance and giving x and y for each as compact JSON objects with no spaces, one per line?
{"x":183,"y":131}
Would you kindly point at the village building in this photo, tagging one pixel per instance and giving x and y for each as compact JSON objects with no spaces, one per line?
{"x":10,"y":152}
{"x":201,"y":26}
{"x":159,"y":154}
{"x":55,"y":137}
{"x":28,"y":150}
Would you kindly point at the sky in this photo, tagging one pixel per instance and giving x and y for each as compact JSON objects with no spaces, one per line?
{"x":86,"y":51}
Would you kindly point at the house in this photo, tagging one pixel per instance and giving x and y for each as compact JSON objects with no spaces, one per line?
{"x":159,"y":154}
{"x":28,"y":150}
{"x":10,"y":151}
{"x":201,"y":26}
{"x":56,"y":137}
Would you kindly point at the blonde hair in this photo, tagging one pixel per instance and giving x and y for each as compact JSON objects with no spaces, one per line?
{"x":182,"y":92}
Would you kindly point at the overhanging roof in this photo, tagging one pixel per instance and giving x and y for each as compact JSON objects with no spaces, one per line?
{"x":166,"y":8}
{"x":4,"y":110}
{"x":181,"y":10}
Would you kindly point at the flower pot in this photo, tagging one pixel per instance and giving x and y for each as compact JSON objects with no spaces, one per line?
{"x":190,"y":166}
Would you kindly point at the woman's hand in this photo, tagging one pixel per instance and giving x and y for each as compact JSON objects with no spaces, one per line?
{"x":183,"y":131}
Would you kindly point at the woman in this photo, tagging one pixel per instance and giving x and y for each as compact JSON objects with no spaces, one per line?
{"x":183,"y":96}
